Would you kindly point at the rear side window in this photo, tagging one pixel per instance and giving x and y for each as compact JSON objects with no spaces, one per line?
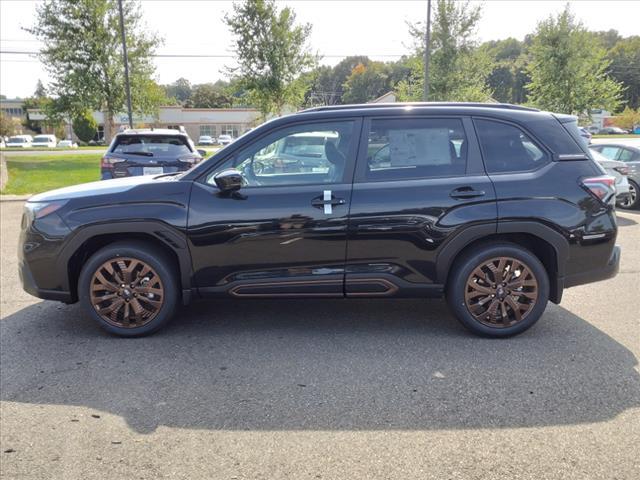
{"x":151,"y":145}
{"x":507,"y":148}
{"x":415,"y":148}
{"x":610,"y":152}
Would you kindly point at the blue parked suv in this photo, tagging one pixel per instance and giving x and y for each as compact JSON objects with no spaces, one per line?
{"x":149,"y":152}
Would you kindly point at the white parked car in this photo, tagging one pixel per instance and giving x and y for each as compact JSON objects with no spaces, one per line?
{"x":44,"y":141}
{"x":206,"y":140}
{"x":225,"y":139}
{"x":67,"y":144}
{"x":618,"y":170}
{"x":20,"y":141}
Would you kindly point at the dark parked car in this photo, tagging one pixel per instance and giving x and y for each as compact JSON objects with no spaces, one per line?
{"x":630,"y":155}
{"x":149,"y":152}
{"x":499,"y":208}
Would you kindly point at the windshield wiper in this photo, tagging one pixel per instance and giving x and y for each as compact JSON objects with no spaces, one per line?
{"x":144,"y":154}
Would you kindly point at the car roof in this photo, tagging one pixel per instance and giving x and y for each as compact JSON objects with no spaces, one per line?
{"x":620,"y":145}
{"x":152,"y":131}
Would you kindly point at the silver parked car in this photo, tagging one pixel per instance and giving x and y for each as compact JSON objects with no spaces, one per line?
{"x":630,"y":155}
{"x":618,"y":170}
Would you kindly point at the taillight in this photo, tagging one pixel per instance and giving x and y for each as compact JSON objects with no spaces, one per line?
{"x":622,"y":170}
{"x":602,"y":187}
{"x":109,"y":162}
{"x":190,"y":159}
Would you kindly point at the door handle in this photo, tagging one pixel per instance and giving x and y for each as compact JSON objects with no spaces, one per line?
{"x":466,"y":192}
{"x":327,"y":201}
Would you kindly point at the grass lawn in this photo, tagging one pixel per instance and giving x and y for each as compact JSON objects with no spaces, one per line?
{"x":35,"y":174}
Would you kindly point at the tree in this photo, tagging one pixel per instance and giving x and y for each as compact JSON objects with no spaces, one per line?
{"x":83,"y":54}
{"x":458,"y":70}
{"x":366,"y":83}
{"x":40,"y":92}
{"x":208,"y":95}
{"x":508,"y":77}
{"x":568,"y":69}
{"x":180,"y":90}
{"x":85,"y":126}
{"x":272,"y":54}
{"x":8,"y":125}
{"x":628,"y":118}
{"x":625,"y":68}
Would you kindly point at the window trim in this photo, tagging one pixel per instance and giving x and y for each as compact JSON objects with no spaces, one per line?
{"x":536,"y":141}
{"x":361,"y":164}
{"x":349,"y":166}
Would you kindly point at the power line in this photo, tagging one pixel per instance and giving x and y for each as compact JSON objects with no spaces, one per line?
{"x":219,"y":55}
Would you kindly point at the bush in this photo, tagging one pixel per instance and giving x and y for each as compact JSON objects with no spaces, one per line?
{"x":85,"y":127}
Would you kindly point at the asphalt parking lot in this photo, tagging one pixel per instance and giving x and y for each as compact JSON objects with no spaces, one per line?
{"x":356,"y":389}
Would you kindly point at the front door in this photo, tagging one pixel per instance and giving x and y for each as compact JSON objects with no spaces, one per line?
{"x":284,"y":232}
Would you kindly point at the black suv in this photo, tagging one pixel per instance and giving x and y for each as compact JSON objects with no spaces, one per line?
{"x":497,"y":207}
{"x":149,"y":152}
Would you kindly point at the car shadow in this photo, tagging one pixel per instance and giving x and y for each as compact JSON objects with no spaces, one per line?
{"x":318,"y":365}
{"x":625,"y":222}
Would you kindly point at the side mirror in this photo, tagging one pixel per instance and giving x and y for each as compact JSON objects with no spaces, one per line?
{"x":229,"y":180}
{"x":203,"y":153}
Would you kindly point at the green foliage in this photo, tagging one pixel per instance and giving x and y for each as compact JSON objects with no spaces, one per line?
{"x":272,"y":53}
{"x":85,"y":126}
{"x":8,"y":126}
{"x":83,"y":54}
{"x":208,"y":95}
{"x":625,"y":68}
{"x":180,"y":90}
{"x":568,"y":69}
{"x":366,"y":83}
{"x":508,"y":78}
{"x":458,"y":70}
{"x":628,"y":119}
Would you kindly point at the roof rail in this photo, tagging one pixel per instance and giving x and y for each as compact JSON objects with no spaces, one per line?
{"x":506,"y":106}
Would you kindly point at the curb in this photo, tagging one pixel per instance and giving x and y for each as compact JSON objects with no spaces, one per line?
{"x":14,"y":198}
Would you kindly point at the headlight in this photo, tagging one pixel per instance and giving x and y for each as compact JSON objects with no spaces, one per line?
{"x":35,"y":210}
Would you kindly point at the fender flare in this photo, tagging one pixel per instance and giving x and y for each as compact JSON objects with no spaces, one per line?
{"x":168,"y":235}
{"x":450,"y":251}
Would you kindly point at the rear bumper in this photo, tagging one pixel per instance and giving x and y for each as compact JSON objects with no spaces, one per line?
{"x":602,"y":273}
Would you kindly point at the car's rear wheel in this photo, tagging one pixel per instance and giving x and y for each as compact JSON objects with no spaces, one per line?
{"x":499,"y":290}
{"x":129,"y":288}
{"x":633,"y":200}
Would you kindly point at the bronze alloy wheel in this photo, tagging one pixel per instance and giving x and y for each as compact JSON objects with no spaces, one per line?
{"x":126,"y":292}
{"x":501,"y":292}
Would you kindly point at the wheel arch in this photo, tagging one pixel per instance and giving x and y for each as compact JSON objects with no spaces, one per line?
{"x":91,"y":239}
{"x":549,"y":246}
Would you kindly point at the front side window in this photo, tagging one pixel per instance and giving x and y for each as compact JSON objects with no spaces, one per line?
{"x":300,"y":155}
{"x":610,"y":152}
{"x":506,"y":148}
{"x":415,"y":148}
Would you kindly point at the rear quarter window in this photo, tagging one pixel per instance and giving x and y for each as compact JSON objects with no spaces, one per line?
{"x":508,"y":148}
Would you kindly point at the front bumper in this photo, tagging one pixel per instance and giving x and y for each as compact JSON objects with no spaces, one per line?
{"x":29,"y":286}
{"x":610,"y":270}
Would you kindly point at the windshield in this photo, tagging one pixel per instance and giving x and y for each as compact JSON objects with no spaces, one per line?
{"x":151,"y":145}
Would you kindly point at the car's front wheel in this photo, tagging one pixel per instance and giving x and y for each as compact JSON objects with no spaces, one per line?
{"x":633,"y":200}
{"x":129,"y":288}
{"x":498,"y":290}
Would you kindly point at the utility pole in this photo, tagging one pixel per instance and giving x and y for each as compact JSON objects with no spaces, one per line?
{"x":126,"y":63}
{"x":427,"y":53}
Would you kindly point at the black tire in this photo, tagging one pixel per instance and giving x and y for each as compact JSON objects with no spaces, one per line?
{"x":161,"y":266}
{"x":634,"y":197}
{"x":461,"y":274}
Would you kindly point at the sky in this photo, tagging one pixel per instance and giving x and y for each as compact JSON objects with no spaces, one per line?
{"x":339,"y":28}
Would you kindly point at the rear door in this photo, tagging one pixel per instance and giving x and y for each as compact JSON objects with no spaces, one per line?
{"x":151,"y":154}
{"x":419,"y":182}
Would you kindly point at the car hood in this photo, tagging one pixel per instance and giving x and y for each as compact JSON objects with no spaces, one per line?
{"x":102,"y":187}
